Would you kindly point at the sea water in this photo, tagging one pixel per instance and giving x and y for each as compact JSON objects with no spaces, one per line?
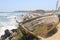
{"x":8,"y":21}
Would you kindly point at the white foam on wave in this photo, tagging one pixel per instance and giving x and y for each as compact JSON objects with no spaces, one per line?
{"x":12,"y":24}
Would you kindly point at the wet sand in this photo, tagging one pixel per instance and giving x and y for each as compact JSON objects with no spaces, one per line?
{"x":56,"y":36}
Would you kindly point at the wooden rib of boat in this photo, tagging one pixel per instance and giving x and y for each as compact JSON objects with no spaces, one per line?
{"x":39,"y":26}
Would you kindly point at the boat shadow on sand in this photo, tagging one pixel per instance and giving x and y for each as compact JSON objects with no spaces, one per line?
{"x":51,"y":33}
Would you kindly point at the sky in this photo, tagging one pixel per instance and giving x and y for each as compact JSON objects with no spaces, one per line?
{"x":15,"y":5}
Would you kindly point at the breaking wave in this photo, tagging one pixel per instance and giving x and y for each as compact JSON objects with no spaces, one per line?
{"x":8,"y":22}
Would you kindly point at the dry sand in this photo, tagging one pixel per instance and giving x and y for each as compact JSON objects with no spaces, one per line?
{"x":56,"y":36}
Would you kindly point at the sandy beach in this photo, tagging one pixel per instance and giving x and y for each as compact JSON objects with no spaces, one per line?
{"x":56,"y":36}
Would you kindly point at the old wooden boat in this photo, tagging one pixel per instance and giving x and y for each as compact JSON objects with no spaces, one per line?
{"x":39,"y":26}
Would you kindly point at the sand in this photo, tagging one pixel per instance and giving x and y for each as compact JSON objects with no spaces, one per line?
{"x":56,"y":36}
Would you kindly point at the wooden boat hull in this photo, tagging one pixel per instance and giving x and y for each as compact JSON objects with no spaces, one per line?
{"x":39,"y":26}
